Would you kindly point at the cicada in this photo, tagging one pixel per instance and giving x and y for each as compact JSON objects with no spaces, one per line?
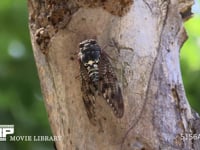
{"x":98,"y":78}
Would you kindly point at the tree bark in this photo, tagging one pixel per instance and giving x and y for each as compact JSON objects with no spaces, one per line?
{"x":147,"y":37}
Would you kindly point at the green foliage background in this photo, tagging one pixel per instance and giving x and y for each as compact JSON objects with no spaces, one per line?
{"x":21,"y":101}
{"x":190,"y":62}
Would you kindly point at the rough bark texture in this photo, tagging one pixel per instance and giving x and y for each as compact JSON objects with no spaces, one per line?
{"x":147,"y":36}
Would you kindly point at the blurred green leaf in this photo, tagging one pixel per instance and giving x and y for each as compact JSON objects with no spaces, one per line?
{"x":190,"y":62}
{"x":191,"y":49}
{"x":21,"y":101}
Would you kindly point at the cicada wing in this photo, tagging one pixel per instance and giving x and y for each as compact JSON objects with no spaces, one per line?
{"x":110,"y":87}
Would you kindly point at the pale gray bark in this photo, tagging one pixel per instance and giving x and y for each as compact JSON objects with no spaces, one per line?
{"x":147,"y":36}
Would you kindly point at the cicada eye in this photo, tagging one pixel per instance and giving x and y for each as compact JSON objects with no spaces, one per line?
{"x":81,"y":45}
{"x":93,"y":41}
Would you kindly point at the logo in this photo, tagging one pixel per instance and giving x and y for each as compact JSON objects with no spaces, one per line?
{"x":5,"y":130}
{"x":9,"y":129}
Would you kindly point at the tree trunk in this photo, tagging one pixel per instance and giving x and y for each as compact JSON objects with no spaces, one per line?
{"x":147,"y":37}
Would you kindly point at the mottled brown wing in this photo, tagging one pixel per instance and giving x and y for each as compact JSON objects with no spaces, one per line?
{"x":109,"y":86}
{"x":88,"y":95}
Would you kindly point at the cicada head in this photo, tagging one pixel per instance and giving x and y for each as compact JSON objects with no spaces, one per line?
{"x":90,"y":52}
